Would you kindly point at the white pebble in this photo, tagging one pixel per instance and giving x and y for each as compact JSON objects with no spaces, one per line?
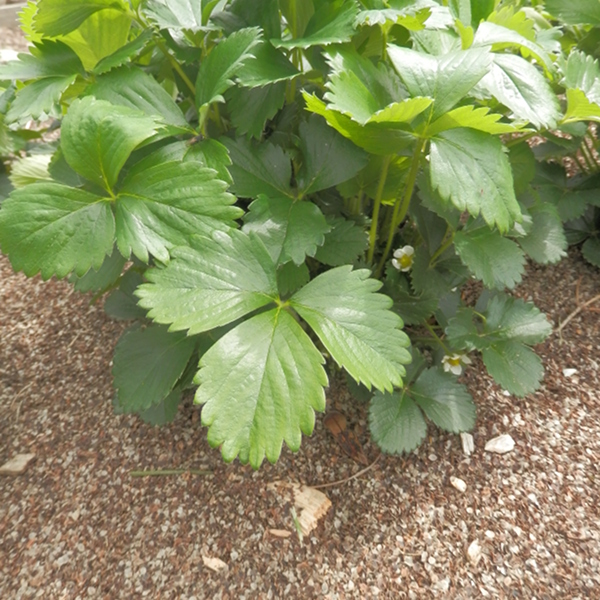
{"x":501,"y":444}
{"x":474,"y":553}
{"x":468,"y":445}
{"x":569,"y":372}
{"x":459,"y":484}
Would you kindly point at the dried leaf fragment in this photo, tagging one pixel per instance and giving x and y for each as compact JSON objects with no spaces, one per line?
{"x":335,"y":422}
{"x":280,"y":533}
{"x":215,"y":564}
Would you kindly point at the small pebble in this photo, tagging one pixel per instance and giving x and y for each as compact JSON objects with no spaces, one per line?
{"x":467,"y":442}
{"x":17,"y":464}
{"x":459,"y":484}
{"x":569,"y":372}
{"x":501,"y":444}
{"x":474,"y":553}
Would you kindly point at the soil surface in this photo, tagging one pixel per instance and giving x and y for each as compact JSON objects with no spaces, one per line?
{"x":77,"y":524}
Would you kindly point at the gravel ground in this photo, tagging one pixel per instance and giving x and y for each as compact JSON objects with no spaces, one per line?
{"x":76,"y":524}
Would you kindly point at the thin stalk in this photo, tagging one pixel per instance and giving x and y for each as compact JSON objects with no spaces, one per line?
{"x":164,"y":472}
{"x":177,"y":67}
{"x":443,"y":247}
{"x":355,"y":204}
{"x":376,"y":208}
{"x":401,"y":208}
{"x":437,"y":338}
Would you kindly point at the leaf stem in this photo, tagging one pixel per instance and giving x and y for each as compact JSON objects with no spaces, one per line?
{"x":401,"y":208}
{"x":375,"y":218}
{"x":165,"y":472}
{"x":437,"y":338}
{"x":443,"y":247}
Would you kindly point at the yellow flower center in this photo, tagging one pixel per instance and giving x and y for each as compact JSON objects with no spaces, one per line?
{"x":454,"y":362}
{"x":406,"y":261}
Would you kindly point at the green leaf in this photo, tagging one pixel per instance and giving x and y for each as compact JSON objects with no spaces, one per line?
{"x":581,"y":72}
{"x":250,"y":109}
{"x":59,"y":17}
{"x":413,"y":310}
{"x":579,"y":108}
{"x":518,"y":85}
{"x":162,"y":206}
{"x":135,"y":89}
{"x":164,"y":412}
{"x":401,"y":112}
{"x":291,"y":277}
{"x":474,"y":118}
{"x":343,"y":244}
{"x":121,"y":303}
{"x":124,"y":53}
{"x":410,"y":17}
{"x":447,"y":403}
{"x":356,"y":326}
{"x":223,"y":63}
{"x":260,"y":385}
{"x":99,"y":280}
{"x":212,"y":154}
{"x":522,"y":162}
{"x":297,"y":14}
{"x":269,"y":66}
{"x":328,"y":159}
{"x":575,"y":12}
{"x":373,"y":137}
{"x":147,"y":364}
{"x":470,"y":169}
{"x":290,"y":230}
{"x":98,"y":137}
{"x":210,"y":283}
{"x":47,"y":59}
{"x":514,"y":366}
{"x":29,"y":169}
{"x":332,"y":23}
{"x":53,"y":229}
{"x":447,"y":79}
{"x":259,"y":169}
{"x":175,"y":14}
{"x":495,"y":260}
{"x":546,"y":242}
{"x":591,"y":251}
{"x":396,"y":423}
{"x":462,"y":333}
{"x":437,"y":280}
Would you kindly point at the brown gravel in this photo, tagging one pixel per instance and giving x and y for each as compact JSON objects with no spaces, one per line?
{"x":77,"y":525}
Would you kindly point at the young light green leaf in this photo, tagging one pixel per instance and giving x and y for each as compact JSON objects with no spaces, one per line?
{"x":290,"y":230}
{"x":98,"y":137}
{"x":492,"y":258}
{"x":124,"y":53}
{"x":53,"y":229}
{"x":259,"y":169}
{"x":575,"y":12}
{"x":356,"y":326}
{"x":546,"y":242}
{"x":396,"y":423}
{"x":470,"y":169}
{"x":518,"y":85}
{"x":269,"y":66}
{"x":514,"y":366}
{"x":474,"y":118}
{"x":135,"y":89}
{"x":343,"y":244}
{"x":147,"y":364}
{"x":401,"y":112}
{"x":410,"y":17}
{"x":447,"y":79}
{"x":210,"y":283}
{"x":260,"y":385}
{"x":30,"y":169}
{"x":175,"y":14}
{"x":579,"y":108}
{"x":328,"y":159}
{"x":99,"y":280}
{"x":223,"y":63}
{"x":445,"y":401}
{"x":332,"y":23}
{"x":59,"y":17}
{"x":162,"y":206}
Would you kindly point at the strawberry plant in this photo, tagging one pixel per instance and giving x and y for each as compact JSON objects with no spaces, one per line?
{"x":267,"y":186}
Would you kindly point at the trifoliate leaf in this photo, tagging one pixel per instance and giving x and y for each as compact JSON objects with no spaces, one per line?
{"x":332,"y":23}
{"x":575,"y":12}
{"x":124,"y":53}
{"x":290,"y":230}
{"x":161,"y":207}
{"x":291,"y":277}
{"x":591,"y":251}
{"x":546,"y":242}
{"x":356,"y":326}
{"x":135,"y":89}
{"x":98,"y":137}
{"x":373,"y":137}
{"x":492,"y":258}
{"x":259,"y":169}
{"x":343,"y":244}
{"x":514,"y":366}
{"x":269,"y":66}
{"x":223,"y":63}
{"x":447,"y":403}
{"x":579,"y":108}
{"x":260,"y":385}
{"x":396,"y":423}
{"x":211,"y":282}
{"x":121,"y":303}
{"x":474,"y":118}
{"x":147,"y":364}
{"x":470,"y":169}
{"x":518,"y":85}
{"x":250,"y":109}
{"x":447,"y":79}
{"x":175,"y":14}
{"x":99,"y":280}
{"x":328,"y":159}
{"x":53,"y":229}
{"x":59,"y":17}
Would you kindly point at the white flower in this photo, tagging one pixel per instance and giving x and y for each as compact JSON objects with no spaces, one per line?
{"x":452,"y":363}
{"x":403,"y":258}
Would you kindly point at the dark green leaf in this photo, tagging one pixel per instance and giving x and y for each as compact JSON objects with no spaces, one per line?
{"x":546,"y":242}
{"x":591,"y":251}
{"x":522,"y":162}
{"x":575,"y":12}
{"x":164,"y":412}
{"x":98,"y":280}
{"x":269,"y":66}
{"x":291,"y":277}
{"x":343,"y":244}
{"x":122,"y":304}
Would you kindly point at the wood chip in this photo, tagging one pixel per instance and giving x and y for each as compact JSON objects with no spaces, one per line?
{"x":17,"y":464}
{"x":468,"y":445}
{"x":215,"y":564}
{"x":280,"y":533}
